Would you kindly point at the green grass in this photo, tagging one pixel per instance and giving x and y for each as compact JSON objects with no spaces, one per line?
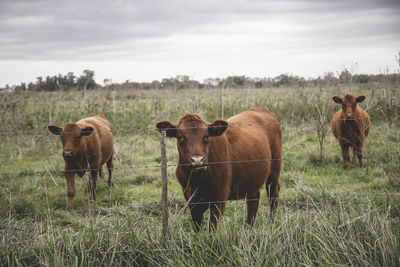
{"x":327,"y":216}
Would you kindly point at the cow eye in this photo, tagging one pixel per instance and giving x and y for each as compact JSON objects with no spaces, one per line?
{"x":180,"y":139}
{"x":78,"y":138}
{"x":205,"y":140}
{"x":354,"y":105}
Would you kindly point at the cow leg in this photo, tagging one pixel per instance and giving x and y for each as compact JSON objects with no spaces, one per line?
{"x":354,"y":155}
{"x":197,"y":208}
{"x":358,"y":151}
{"x":252,"y":201}
{"x":359,"y":156}
{"x":272,"y":185}
{"x":345,"y":153}
{"x":197,"y":211}
{"x":110,"y":167}
{"x":101,"y":173}
{"x":92,"y":183}
{"x":216,"y":210}
{"x":273,"y":188}
{"x":69,"y":176}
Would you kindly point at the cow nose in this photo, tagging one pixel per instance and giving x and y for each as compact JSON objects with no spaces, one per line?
{"x":349,"y":114}
{"x":197,"y":160}
{"x":67,"y":153}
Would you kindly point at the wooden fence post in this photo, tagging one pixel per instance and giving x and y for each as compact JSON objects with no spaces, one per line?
{"x":368,"y":155}
{"x":164,"y":197}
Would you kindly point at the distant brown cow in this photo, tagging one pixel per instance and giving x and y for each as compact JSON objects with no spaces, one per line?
{"x":227,"y":160}
{"x":87,"y":145}
{"x":350,"y":125}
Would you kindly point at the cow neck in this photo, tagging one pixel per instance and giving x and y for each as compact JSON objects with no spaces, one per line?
{"x":201,"y":183}
{"x":77,"y":163}
{"x":196,"y":177}
{"x":82,"y":160}
{"x":351,"y":123}
{"x":351,"y":128}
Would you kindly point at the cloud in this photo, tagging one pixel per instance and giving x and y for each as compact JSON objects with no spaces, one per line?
{"x":196,"y":32}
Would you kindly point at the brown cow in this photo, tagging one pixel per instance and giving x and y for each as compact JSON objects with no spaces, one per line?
{"x":350,"y":125}
{"x":226,"y":160}
{"x":87,"y":145}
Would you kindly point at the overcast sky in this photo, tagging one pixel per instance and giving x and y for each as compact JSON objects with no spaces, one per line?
{"x":145,"y":40}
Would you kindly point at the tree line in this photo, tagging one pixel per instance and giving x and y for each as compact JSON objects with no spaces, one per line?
{"x":86,"y":81}
{"x":58,"y":82}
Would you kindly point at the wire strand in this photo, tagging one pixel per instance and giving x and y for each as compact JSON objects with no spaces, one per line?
{"x":152,"y":129}
{"x":295,"y":199}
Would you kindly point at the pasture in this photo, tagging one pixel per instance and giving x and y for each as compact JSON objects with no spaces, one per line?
{"x":326,"y":216}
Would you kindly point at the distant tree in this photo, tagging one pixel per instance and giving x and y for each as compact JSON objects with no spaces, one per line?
{"x":345,"y":76}
{"x":70,"y":80}
{"x":283,"y":79}
{"x":51,"y":84}
{"x":86,"y":80}
{"x":361,"y":78}
{"x":238,"y":80}
{"x":182,"y":81}
{"x":329,"y":78}
{"x":211,"y":82}
{"x":107,"y":82}
{"x":258,"y":83}
{"x":31,"y":86}
{"x":155,"y":84}
{"x":23,"y":87}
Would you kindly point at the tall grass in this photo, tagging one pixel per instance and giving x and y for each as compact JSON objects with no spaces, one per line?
{"x":315,"y":230}
{"x":327,"y":216}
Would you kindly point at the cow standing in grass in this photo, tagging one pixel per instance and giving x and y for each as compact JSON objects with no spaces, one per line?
{"x":87,"y":145}
{"x":350,"y":125}
{"x":226,"y":160}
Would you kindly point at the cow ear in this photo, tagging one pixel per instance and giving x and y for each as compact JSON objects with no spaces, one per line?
{"x":87,"y":131}
{"x":54,"y":129}
{"x":170,"y":129}
{"x":217,"y":128}
{"x":337,"y":99}
{"x":360,"y":99}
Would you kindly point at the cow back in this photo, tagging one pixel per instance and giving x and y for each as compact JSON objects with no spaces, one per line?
{"x":251,"y":143}
{"x":98,"y":145}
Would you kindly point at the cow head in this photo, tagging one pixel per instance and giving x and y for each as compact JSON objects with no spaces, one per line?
{"x":349,"y":104}
{"x":71,"y":138}
{"x":192,"y":134}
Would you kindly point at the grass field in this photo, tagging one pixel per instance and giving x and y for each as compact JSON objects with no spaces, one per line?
{"x":327,"y":216}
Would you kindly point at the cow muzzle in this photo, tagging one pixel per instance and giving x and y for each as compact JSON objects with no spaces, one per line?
{"x":67,"y":154}
{"x":198,"y":163}
{"x":349,"y":116}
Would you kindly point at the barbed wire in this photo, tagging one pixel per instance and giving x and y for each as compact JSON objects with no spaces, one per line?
{"x":137,"y":167}
{"x":301,"y":196}
{"x":62,"y":172}
{"x":153,"y":129}
{"x":310,"y":209}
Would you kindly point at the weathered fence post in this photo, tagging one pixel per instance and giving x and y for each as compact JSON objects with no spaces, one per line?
{"x":164,"y":200}
{"x":368,"y":155}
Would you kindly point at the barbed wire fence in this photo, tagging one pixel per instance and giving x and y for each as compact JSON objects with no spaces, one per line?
{"x":148,"y":130}
{"x":298,"y":200}
{"x":305,"y":203}
{"x":163,"y":166}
